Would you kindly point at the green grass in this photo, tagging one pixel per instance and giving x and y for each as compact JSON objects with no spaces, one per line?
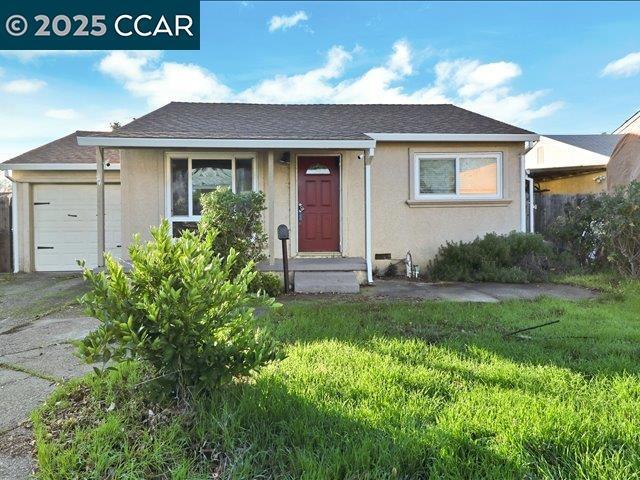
{"x":384,"y":390}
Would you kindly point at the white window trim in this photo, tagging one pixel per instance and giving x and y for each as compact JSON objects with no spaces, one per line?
{"x":190,"y":156}
{"x":418,"y":157}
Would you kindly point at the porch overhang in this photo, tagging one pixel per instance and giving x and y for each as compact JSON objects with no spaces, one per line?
{"x":148,"y":142}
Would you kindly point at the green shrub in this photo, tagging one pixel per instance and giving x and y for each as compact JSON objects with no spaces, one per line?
{"x":266,"y":283}
{"x":603,"y":230}
{"x":513,"y":258}
{"x":180,"y":310}
{"x":579,"y":230}
{"x":621,"y":229}
{"x":237,"y":217}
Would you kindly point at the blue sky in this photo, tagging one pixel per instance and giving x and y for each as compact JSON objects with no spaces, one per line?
{"x":550,"y":67}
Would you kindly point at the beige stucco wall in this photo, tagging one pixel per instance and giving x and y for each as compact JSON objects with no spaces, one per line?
{"x":143,"y":195}
{"x":25,"y":179}
{"x":142,"y":191}
{"x":398,"y":227}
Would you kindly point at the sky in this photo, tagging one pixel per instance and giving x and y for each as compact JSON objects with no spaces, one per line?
{"x":555,"y":68}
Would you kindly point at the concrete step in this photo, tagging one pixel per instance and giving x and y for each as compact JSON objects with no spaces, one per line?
{"x":325,"y":282}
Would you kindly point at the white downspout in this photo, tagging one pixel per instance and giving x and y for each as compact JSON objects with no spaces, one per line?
{"x":524,"y":178}
{"x":367,"y":213}
{"x":523,"y":196}
{"x":532,"y":206}
{"x":14,"y":226}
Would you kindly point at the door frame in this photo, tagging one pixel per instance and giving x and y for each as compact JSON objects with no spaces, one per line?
{"x":294,"y":202}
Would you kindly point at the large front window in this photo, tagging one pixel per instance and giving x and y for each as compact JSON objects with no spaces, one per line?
{"x":191,"y":176}
{"x":458,"y":176}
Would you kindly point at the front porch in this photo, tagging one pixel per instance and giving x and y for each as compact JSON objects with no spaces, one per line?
{"x":322,"y":275}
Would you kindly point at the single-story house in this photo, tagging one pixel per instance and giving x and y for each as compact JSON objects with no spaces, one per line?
{"x":358,"y":185}
{"x":571,"y":164}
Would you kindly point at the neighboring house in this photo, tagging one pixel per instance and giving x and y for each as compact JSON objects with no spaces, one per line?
{"x":358,"y":185}
{"x":55,"y":204}
{"x":624,"y":166}
{"x":571,"y":164}
{"x":630,"y":125}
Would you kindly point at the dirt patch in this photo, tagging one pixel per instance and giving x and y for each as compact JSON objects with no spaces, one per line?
{"x":18,"y":441}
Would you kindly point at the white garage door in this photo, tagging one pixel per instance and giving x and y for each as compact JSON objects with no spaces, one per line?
{"x":65,"y":225}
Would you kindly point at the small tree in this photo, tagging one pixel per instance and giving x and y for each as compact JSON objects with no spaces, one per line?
{"x":179,"y":309}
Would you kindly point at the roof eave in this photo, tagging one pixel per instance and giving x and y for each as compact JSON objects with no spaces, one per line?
{"x":55,"y":166}
{"x":454,"y":137}
{"x":150,"y":142}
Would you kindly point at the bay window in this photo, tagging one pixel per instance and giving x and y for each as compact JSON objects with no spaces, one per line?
{"x":464,"y":176}
{"x":192,"y":175}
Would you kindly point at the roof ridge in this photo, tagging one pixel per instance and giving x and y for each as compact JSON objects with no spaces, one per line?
{"x":309,"y":104}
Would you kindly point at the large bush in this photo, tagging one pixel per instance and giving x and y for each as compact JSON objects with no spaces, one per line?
{"x":603,"y":229}
{"x":181,"y":310}
{"x":579,"y":230}
{"x":513,"y":258}
{"x":237,"y":217}
{"x":621,"y":229}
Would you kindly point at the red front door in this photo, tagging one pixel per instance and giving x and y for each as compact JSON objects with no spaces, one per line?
{"x":318,"y":204}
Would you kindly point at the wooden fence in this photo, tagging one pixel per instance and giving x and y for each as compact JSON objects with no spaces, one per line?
{"x":5,"y":233}
{"x":551,"y":206}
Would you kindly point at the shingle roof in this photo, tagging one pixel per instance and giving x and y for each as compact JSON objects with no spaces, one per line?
{"x":602,"y":144}
{"x":319,"y":121}
{"x":65,"y":150}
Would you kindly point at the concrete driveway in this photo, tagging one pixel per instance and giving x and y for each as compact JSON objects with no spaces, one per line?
{"x":39,"y":317}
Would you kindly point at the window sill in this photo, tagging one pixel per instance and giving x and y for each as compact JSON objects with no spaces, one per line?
{"x":458,"y":203}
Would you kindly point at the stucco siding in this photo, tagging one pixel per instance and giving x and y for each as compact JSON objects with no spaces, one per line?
{"x":353,"y":204}
{"x":143,"y":198}
{"x":398,"y":227}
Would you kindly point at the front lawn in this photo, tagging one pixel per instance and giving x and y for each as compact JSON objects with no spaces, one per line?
{"x":383,"y":390}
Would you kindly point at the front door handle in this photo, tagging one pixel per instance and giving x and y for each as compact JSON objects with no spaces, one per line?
{"x":300,"y":211}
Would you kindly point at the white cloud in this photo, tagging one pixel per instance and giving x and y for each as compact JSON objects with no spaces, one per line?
{"x":482,"y":87}
{"x":470,"y":77}
{"x":23,"y":86}
{"x":127,"y":65}
{"x":63,"y":113}
{"x":159,"y":83}
{"x":312,"y":86}
{"x":284,"y":22}
{"x":626,"y":66}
